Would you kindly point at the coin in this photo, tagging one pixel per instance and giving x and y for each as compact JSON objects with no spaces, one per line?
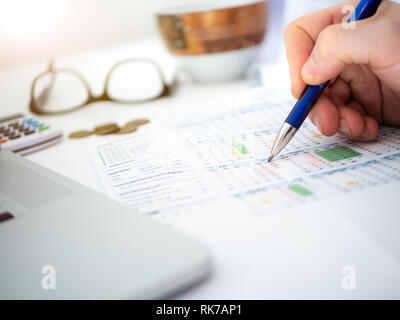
{"x":106,"y":129}
{"x":139,"y":122}
{"x":79,"y":134}
{"x":128,"y":128}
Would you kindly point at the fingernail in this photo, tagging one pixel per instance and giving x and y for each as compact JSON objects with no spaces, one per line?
{"x":317,"y":122}
{"x":310,"y":70}
{"x":344,"y":127}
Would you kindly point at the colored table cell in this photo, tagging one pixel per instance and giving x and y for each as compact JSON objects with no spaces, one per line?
{"x":300,"y":190}
{"x":338,"y":153}
{"x":241,"y":148}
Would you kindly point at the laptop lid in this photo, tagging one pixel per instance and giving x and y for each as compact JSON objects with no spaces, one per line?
{"x":61,"y":240}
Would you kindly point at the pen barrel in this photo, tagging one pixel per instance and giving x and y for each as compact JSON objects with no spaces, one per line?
{"x":304,"y":105}
{"x":365,"y":9}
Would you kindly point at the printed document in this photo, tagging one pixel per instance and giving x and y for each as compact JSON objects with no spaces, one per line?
{"x":283,"y":229}
{"x":225,"y":155}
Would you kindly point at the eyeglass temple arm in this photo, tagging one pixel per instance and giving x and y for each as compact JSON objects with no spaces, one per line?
{"x":44,"y":95}
{"x":169,"y":88}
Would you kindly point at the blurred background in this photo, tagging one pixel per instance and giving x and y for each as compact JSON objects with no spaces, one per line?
{"x":31,"y":30}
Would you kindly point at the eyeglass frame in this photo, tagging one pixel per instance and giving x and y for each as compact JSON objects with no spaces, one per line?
{"x":166,"y":90}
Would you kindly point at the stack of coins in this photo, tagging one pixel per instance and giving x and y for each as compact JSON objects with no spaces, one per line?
{"x":110,"y":128}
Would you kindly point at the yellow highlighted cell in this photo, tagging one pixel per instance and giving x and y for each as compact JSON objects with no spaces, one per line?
{"x":317,"y":135}
{"x":352,"y":183}
{"x":265,"y":202}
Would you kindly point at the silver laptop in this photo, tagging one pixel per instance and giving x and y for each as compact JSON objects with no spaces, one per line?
{"x":60,"y":240}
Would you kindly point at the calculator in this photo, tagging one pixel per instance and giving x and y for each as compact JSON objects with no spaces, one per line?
{"x":23,"y":134}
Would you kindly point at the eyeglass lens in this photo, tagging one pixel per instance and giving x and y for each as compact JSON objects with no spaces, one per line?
{"x":59,"y":91}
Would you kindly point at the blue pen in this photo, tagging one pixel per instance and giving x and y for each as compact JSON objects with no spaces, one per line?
{"x":365,"y":9}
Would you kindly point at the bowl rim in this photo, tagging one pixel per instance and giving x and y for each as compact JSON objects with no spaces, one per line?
{"x":206,"y":7}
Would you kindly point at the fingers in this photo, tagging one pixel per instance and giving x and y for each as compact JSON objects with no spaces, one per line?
{"x":351,"y":122}
{"x":319,"y":49}
{"x":341,"y":89}
{"x":357,"y":107}
{"x":300,"y":37}
{"x":369,"y":133}
{"x":371,"y":130}
{"x":337,"y":46}
{"x":325,"y":116}
{"x":365,"y":88}
{"x":332,"y":116}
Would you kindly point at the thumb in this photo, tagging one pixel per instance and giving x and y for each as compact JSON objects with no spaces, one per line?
{"x":337,"y":46}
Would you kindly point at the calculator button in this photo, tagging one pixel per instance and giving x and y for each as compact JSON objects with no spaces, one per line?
{"x":43,"y":128}
{"x":13,"y":137}
{"x":4,"y":140}
{"x":29,"y":132}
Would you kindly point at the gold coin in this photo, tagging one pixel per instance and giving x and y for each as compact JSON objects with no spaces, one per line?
{"x":139,"y":122}
{"x":106,"y":129}
{"x":79,"y":134}
{"x":128,"y":128}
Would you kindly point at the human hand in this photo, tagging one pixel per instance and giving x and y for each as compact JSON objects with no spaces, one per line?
{"x":364,"y":64}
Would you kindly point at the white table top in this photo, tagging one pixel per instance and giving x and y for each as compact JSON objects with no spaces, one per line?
{"x":293,"y":263}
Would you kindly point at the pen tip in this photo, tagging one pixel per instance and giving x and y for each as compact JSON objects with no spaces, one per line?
{"x":270,"y":158}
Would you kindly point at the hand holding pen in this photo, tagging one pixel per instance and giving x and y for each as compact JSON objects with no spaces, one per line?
{"x":364,"y":63}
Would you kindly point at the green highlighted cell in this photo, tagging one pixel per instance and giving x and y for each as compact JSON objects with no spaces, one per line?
{"x":102,"y":159}
{"x":300,"y":190}
{"x":241,"y":148}
{"x":339,"y":153}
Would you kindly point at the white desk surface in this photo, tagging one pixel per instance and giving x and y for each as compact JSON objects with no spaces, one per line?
{"x":66,"y":157}
{"x":293,"y":263}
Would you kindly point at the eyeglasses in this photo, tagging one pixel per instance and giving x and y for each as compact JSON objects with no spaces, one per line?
{"x":61,"y":90}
